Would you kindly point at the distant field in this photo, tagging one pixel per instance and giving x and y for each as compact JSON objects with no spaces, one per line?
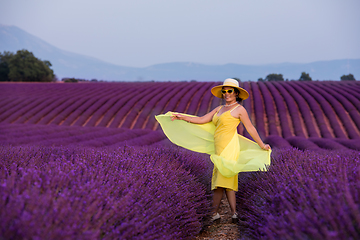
{"x":306,"y":115}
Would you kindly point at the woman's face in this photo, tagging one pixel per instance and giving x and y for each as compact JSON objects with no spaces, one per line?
{"x":229,"y":97}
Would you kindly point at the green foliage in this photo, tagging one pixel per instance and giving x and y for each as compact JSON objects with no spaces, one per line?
{"x":305,"y":77}
{"x":24,"y":67}
{"x":4,"y":65}
{"x":261,"y":80}
{"x":70,"y":80}
{"x":348,"y":77}
{"x":274,"y":77}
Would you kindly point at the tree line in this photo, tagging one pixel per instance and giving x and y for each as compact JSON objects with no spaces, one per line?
{"x":303,"y":77}
{"x":23,"y":66}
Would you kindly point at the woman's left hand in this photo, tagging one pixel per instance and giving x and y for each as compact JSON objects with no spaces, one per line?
{"x":266,"y":147}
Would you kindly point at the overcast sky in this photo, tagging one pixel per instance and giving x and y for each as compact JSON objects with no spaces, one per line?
{"x":141,"y":33}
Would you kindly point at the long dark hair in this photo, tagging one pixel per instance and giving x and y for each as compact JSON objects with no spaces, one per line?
{"x":238,"y":99}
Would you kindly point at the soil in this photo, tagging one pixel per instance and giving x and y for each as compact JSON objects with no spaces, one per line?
{"x":223,"y":230}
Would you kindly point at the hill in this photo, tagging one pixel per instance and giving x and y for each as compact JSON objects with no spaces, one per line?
{"x":67,"y":64}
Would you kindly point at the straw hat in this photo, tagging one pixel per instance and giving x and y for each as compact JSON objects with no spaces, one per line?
{"x":229,"y":82}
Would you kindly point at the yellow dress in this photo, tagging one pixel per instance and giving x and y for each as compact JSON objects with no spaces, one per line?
{"x":225,"y":127}
{"x":230,"y":152}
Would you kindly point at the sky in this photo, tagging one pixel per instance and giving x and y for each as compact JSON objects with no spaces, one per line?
{"x":140,"y":33}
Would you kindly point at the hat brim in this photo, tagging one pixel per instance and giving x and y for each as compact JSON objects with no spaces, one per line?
{"x":216,"y":91}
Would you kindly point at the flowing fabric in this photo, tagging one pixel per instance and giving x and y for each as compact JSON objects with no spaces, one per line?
{"x":230,"y":152}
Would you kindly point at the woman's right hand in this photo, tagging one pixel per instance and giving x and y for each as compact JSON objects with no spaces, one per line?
{"x":177,"y":116}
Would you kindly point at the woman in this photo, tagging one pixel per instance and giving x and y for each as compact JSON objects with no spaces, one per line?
{"x":216,"y":134}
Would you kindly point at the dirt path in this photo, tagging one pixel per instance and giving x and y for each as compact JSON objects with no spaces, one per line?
{"x":223,"y":230}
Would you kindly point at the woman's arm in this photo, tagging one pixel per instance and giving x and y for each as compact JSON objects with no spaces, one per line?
{"x":244,"y":118}
{"x":198,"y":120}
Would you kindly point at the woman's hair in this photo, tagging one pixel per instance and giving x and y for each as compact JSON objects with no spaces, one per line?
{"x":237,"y":92}
{"x":238,"y":99}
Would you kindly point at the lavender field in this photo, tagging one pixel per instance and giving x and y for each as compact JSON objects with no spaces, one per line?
{"x":89,"y":161}
{"x":304,"y":115}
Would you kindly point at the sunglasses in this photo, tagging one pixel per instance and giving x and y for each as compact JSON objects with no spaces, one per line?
{"x":223,"y":91}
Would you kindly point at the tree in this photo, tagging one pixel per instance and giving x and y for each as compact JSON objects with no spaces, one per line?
{"x":24,"y":67}
{"x":348,"y":77}
{"x":4,"y":66}
{"x":305,"y":77}
{"x":274,"y":77}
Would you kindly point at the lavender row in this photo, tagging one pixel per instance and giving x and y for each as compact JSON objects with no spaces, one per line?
{"x":20,"y":134}
{"x":137,"y":108}
{"x":304,"y":109}
{"x":28,"y":117}
{"x":75,"y":114}
{"x":129,"y":103}
{"x":312,"y":143}
{"x":342,"y":111}
{"x":9,"y":104}
{"x":292,"y":108}
{"x":89,"y":112}
{"x":148,"y":107}
{"x":122,"y":99}
{"x":37,"y":90}
{"x":349,"y":102}
{"x":109,"y":108}
{"x":315,"y":109}
{"x":38,"y":108}
{"x":185,"y":99}
{"x":5,"y":102}
{"x":215,"y":101}
{"x":175,"y":100}
{"x":47,"y":135}
{"x":161,"y":104}
{"x":100,"y":194}
{"x":270,"y":110}
{"x":282,"y":112}
{"x":352,"y":99}
{"x":328,"y":111}
{"x":248,"y":106}
{"x":205,"y":105}
{"x":54,"y":108}
{"x":258,"y":109}
{"x":99,"y":113}
{"x":304,"y":195}
{"x":347,"y":88}
{"x":84,"y":136}
{"x":195,"y":101}
{"x":19,"y":108}
{"x":58,"y":116}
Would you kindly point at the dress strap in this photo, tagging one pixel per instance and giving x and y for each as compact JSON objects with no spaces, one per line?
{"x":234,"y":108}
{"x":219,"y":109}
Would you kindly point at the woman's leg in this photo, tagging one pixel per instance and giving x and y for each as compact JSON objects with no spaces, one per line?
{"x":230,"y":195}
{"x":218,"y":193}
